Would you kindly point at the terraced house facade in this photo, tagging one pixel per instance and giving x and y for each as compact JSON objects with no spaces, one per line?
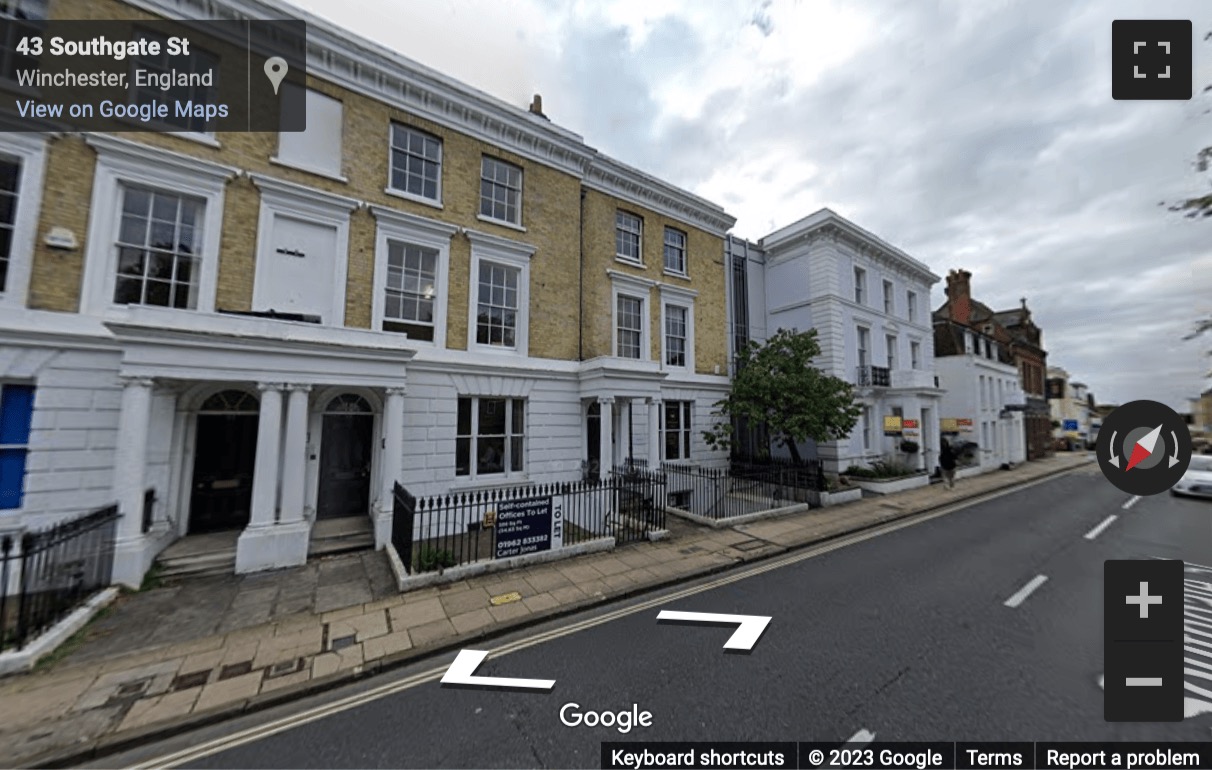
{"x":427,"y":286}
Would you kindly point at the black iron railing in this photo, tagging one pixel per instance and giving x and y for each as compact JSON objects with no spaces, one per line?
{"x":742,"y":488}
{"x":46,"y":574}
{"x":873,"y":376}
{"x":432,"y":533}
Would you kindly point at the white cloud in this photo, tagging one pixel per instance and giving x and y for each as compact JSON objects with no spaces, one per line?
{"x":973,"y":134}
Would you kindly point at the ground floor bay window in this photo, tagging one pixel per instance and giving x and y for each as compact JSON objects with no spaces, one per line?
{"x":490,"y":437}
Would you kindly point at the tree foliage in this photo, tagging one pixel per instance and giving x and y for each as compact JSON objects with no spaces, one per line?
{"x":778,"y":385}
{"x":1200,"y":206}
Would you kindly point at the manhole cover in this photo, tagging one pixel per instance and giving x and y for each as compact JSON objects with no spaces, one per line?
{"x":341,"y":642}
{"x":284,"y":668}
{"x":235,"y":669}
{"x":186,"y":681}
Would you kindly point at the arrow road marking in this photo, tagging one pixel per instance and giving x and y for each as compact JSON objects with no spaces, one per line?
{"x":467,"y":661}
{"x":749,"y":627}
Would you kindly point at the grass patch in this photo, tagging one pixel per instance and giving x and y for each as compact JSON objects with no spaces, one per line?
{"x":153,"y":579}
{"x":72,"y":643}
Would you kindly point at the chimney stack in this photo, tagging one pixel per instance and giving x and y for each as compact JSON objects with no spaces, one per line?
{"x":959,"y":291}
{"x":536,"y":106}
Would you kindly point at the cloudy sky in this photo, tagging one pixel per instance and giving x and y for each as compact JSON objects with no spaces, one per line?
{"x":975,"y":134}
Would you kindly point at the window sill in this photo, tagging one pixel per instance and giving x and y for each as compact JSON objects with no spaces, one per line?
{"x":491,"y":482}
{"x":495,"y":350}
{"x":194,"y":136}
{"x":680,"y":276}
{"x":309,"y":170}
{"x":501,"y":222}
{"x":629,"y":262}
{"x":414,"y":198}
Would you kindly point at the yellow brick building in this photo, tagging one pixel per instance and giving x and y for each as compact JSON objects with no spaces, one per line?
{"x":428,"y":286}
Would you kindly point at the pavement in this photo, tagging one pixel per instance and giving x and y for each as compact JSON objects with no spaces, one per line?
{"x":907,"y":635}
{"x":142,"y":683}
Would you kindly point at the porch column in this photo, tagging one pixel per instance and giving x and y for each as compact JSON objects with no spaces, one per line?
{"x":605,"y":438}
{"x":268,"y":461}
{"x":294,"y":453}
{"x":624,"y":437}
{"x":130,"y":464}
{"x":654,"y":433}
{"x":390,"y":462}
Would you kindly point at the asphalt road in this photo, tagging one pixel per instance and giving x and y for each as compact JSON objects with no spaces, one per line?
{"x":906,"y":635}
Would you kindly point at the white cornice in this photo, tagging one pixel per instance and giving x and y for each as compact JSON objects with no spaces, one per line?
{"x":336,"y":55}
{"x":827,"y":224}
{"x":143,"y":156}
{"x":498,"y":244}
{"x":633,"y":281}
{"x":634,"y":186}
{"x":405,"y":221}
{"x":272,"y":187}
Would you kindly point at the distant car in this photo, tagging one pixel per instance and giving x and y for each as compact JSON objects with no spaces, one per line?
{"x":1197,"y":481}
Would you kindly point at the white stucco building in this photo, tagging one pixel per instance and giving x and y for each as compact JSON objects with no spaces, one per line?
{"x":870,"y":304}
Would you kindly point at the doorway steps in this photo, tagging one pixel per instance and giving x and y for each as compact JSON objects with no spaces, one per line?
{"x":198,"y":556}
{"x":344,"y":535}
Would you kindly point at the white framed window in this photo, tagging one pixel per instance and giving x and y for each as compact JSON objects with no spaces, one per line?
{"x":864,"y":346}
{"x":500,"y":191}
{"x":888,"y":297}
{"x":968,"y":346}
{"x":981,"y":386}
{"x":307,"y":229}
{"x":675,"y":251}
{"x":630,"y":322}
{"x":675,"y":429}
{"x":988,"y":349}
{"x":414,"y":164}
{"x":122,"y":166}
{"x":860,"y":285}
{"x":628,"y":237}
{"x":677,"y":326}
{"x":499,"y":307}
{"x":24,"y":18}
{"x":629,"y":326}
{"x":22,"y":168}
{"x":318,"y":149}
{"x":200,"y":62}
{"x":911,"y":305}
{"x":890,"y":343}
{"x":490,"y":437}
{"x":915,"y":354}
{"x":412,"y":275}
{"x":675,"y":335}
{"x":16,"y":413}
{"x":158,"y":246}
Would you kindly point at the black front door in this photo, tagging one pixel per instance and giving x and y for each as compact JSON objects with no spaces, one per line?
{"x":345,"y":465}
{"x":224,"y":457}
{"x":593,"y":440}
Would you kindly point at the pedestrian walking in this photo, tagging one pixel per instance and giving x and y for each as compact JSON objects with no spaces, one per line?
{"x":946,"y":461}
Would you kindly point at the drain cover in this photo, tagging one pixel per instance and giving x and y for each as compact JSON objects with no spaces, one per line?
{"x":341,"y":642}
{"x":749,"y":545}
{"x":235,"y":669}
{"x":284,"y":668}
{"x":186,"y":681}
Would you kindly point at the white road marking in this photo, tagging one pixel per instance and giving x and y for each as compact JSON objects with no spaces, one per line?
{"x":1103,"y":525}
{"x":860,"y":738}
{"x":1131,"y":502}
{"x":1021,"y":594}
{"x":258,"y":732}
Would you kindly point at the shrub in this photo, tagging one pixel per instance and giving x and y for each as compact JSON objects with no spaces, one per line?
{"x":430,"y":559}
{"x":909,"y":447}
{"x":881,"y":469}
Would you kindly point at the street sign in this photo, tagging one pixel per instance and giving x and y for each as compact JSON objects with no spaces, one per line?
{"x":910,"y":424}
{"x":892,"y":424}
{"x":529,"y":525}
{"x":964,"y":424}
{"x":948,"y":425}
{"x":1070,"y":425}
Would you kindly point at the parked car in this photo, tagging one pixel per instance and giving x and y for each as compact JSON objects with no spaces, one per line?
{"x":1197,"y":481}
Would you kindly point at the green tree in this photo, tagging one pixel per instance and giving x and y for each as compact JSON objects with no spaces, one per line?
{"x":778,"y":385}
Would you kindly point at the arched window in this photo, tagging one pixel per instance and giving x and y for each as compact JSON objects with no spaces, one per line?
{"x":231,"y":402}
{"x":348,"y":403}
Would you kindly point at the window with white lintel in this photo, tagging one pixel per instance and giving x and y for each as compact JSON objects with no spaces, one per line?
{"x":412,"y":275}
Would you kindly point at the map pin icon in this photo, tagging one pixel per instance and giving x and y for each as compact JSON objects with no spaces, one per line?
{"x":275,"y":70}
